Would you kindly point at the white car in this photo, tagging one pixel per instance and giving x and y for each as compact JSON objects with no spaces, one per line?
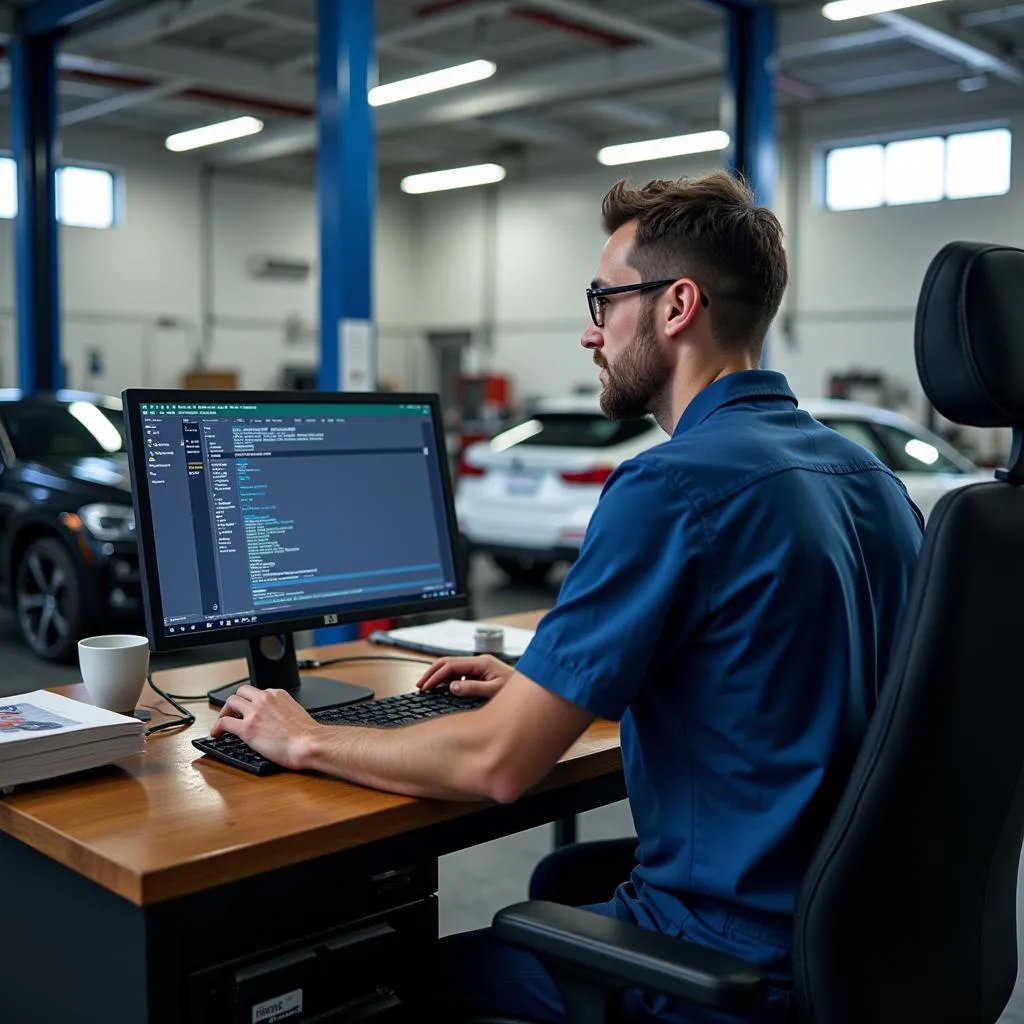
{"x":525,"y":497}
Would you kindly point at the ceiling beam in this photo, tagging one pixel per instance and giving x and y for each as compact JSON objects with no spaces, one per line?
{"x":533,"y":130}
{"x":994,"y":16}
{"x":630,"y":114}
{"x":812,"y":49}
{"x":586,"y":78}
{"x":233,"y":75}
{"x":124,"y":101}
{"x":153,"y":22}
{"x":934,"y":31}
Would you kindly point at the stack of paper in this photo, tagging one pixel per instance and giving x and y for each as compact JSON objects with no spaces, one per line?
{"x":452,"y":636}
{"x":45,"y":734}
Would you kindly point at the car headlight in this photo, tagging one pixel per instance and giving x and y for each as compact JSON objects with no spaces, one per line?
{"x":109,"y":522}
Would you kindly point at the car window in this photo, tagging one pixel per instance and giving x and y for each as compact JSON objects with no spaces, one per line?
{"x":862,"y":434}
{"x":74,"y":430}
{"x":914,"y":454}
{"x":577,"y":430}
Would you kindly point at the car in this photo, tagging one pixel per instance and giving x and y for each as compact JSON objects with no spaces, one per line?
{"x":69,"y":562}
{"x":525,"y":497}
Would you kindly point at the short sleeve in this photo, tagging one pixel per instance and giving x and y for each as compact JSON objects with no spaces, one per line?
{"x":636,"y":589}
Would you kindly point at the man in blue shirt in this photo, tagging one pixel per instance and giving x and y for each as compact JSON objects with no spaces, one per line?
{"x":735,"y":606}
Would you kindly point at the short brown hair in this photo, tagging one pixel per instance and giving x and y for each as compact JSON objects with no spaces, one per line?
{"x":711,"y":229}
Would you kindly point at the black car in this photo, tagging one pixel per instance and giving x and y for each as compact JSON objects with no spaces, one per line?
{"x":69,"y":563}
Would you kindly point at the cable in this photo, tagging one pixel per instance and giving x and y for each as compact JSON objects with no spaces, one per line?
{"x":304,"y":664}
{"x":187,"y":718}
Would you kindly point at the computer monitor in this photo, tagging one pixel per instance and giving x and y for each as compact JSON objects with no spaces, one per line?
{"x":262,"y":513}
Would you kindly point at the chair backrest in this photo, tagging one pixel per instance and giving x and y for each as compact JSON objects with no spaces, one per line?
{"x":907,"y":913}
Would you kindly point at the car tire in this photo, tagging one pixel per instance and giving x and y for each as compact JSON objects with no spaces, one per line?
{"x":48,"y":600}
{"x":523,"y":569}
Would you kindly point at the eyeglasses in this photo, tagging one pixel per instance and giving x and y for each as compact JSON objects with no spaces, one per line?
{"x":597,"y":298}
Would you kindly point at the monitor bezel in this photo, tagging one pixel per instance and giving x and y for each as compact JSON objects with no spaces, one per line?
{"x":134,"y":398}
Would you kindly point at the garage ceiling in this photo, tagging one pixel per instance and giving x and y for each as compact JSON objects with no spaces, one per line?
{"x":572,"y":75}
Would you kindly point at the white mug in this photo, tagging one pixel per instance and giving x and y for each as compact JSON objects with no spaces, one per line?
{"x":114,"y":670}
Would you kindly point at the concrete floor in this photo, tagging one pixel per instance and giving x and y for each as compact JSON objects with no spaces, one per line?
{"x":474,"y":883}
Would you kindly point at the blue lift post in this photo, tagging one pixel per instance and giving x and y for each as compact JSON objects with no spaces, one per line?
{"x":33,"y":137}
{"x":34,"y":141}
{"x":346,"y":169}
{"x":750,"y":100}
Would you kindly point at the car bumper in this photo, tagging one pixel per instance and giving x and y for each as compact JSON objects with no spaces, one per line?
{"x":547,"y":554}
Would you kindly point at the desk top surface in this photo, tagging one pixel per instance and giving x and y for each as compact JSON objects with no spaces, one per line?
{"x":171,"y":822}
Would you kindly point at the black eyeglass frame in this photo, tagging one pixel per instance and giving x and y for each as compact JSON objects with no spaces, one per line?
{"x":620,"y":289}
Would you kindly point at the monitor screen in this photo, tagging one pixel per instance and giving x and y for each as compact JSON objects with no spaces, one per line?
{"x":262,"y":512}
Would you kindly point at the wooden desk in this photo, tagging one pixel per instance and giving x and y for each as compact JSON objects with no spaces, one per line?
{"x":128,"y":882}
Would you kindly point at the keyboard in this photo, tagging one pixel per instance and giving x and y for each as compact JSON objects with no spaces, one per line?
{"x":386,"y":713}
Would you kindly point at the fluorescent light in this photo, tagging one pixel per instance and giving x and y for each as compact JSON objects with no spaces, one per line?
{"x":433,"y":81}
{"x":211,"y":134}
{"x":841,"y":10}
{"x":456,"y":177}
{"x":658,"y":149}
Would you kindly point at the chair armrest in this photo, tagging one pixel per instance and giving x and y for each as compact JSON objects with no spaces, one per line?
{"x":621,"y":955}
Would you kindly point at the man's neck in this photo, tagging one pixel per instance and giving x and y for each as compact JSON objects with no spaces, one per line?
{"x":686,"y":388}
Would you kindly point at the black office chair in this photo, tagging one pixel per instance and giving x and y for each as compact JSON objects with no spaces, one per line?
{"x":907,"y":913}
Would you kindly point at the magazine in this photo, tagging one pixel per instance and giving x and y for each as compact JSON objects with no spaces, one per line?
{"x":43,"y":734}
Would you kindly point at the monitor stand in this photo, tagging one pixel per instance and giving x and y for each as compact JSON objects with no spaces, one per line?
{"x":272,"y":665}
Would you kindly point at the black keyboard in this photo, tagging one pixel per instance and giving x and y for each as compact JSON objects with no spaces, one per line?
{"x":386,"y":713}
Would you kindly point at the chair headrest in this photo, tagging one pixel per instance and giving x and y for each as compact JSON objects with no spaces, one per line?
{"x":969,"y":334}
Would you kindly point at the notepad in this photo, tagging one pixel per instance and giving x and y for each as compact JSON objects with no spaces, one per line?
{"x":452,"y":636}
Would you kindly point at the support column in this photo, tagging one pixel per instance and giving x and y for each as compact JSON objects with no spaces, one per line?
{"x":33,"y":138}
{"x":346,"y":169}
{"x":749,"y":115}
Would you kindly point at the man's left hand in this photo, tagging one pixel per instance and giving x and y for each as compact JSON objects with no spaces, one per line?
{"x":271,"y":722}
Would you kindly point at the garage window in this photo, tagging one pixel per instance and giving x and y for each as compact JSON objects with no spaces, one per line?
{"x":87,"y":197}
{"x":961,"y":165}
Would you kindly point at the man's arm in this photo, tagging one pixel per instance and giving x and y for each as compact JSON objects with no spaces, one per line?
{"x":496,"y":752}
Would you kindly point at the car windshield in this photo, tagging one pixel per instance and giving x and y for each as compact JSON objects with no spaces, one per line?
{"x":572,"y":430}
{"x":71,"y":430}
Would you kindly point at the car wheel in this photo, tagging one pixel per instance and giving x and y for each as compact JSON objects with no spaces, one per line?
{"x":48,"y":600}
{"x":523,"y":569}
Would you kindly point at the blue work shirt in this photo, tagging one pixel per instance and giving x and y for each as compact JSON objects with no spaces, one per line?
{"x":735,"y":605}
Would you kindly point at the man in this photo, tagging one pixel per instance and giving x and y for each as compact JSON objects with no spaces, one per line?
{"x":735,"y":606}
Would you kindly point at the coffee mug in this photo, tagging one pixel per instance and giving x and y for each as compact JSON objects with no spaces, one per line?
{"x":114,"y":670}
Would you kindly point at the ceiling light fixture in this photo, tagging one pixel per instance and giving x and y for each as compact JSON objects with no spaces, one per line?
{"x":659,"y":149}
{"x":455,"y":177}
{"x":433,"y":81}
{"x":843,"y":10}
{"x":211,"y":134}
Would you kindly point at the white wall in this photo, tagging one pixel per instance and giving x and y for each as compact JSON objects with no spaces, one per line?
{"x":508,"y":263}
{"x":134,"y":294}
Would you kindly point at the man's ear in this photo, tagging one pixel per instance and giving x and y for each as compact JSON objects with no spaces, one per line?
{"x":683,"y":305}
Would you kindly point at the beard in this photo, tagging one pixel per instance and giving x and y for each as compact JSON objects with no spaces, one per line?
{"x":641,"y":375}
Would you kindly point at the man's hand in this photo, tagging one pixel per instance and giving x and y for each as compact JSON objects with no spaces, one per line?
{"x":271,"y":722}
{"x":480,"y":676}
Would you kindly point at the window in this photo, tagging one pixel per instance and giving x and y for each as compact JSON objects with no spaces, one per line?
{"x":574,"y":430}
{"x":85,"y":195}
{"x":862,"y":434}
{"x":54,"y":431}
{"x":924,"y":170}
{"x":916,"y":454}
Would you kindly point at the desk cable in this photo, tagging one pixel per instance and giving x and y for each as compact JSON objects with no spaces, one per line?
{"x":186,"y":719}
{"x":306,"y":663}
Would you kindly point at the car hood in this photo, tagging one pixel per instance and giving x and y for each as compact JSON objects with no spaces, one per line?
{"x":89,"y":478}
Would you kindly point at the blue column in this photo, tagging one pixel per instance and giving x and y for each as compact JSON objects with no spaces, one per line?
{"x":33,"y":138}
{"x":750,"y":101}
{"x":346,"y":169}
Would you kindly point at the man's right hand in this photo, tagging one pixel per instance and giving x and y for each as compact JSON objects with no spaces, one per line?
{"x":480,"y":676}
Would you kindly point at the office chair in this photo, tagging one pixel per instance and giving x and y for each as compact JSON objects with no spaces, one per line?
{"x":907,"y":911}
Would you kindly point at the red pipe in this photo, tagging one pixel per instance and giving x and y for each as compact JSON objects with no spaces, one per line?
{"x":526,"y":13}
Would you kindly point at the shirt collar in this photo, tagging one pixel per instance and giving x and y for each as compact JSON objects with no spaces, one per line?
{"x":733,"y":387}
